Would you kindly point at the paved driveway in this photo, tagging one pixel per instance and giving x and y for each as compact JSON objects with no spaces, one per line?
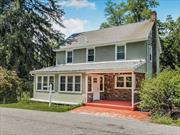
{"x":25,"y":122}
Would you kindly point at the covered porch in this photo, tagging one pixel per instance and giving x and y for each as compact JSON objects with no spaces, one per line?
{"x":116,"y":90}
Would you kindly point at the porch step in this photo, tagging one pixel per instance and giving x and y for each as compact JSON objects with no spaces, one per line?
{"x":110,"y":106}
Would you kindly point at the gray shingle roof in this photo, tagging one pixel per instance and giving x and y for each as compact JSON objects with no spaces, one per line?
{"x":90,"y":67}
{"x":124,"y":33}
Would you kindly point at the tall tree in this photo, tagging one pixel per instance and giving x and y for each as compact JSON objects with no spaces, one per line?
{"x":26,"y":34}
{"x":170,"y":40}
{"x":127,"y":12}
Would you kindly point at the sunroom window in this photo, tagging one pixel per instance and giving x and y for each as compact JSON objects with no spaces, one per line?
{"x":70,"y":83}
{"x":43,"y":83}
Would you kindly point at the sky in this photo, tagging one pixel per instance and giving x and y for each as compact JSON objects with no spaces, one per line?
{"x":86,"y":15}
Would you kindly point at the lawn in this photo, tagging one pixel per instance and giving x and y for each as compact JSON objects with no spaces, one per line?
{"x":39,"y":106}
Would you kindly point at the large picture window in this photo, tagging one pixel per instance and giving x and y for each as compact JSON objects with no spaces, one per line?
{"x":70,"y":83}
{"x":43,"y":83}
{"x":123,"y":81}
{"x":120,"y":52}
{"x":90,"y":53}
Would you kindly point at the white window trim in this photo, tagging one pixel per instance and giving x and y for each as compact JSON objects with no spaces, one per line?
{"x":124,"y":82}
{"x":87,"y":54}
{"x":66,"y":75}
{"x":67,"y":56}
{"x":42,"y":81}
{"x":124,"y":51}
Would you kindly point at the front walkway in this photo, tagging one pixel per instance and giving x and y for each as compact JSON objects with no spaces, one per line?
{"x":98,"y":111}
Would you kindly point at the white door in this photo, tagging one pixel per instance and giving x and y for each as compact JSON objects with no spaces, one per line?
{"x":96,"y":88}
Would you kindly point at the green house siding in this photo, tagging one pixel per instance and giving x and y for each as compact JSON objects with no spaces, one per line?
{"x":136,"y":50}
{"x":105,"y":53}
{"x":60,"y":57}
{"x":79,"y":56}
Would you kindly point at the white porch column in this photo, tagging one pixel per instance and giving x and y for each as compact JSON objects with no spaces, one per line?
{"x":133,"y":88}
{"x":86,"y":88}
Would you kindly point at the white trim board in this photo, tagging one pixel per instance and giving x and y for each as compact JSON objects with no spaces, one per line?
{"x":54,"y":101}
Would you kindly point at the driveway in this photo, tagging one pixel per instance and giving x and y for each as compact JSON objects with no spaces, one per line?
{"x":26,"y":122}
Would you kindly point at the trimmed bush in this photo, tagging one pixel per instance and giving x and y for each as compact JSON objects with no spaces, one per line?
{"x":10,"y":86}
{"x":161,"y":94}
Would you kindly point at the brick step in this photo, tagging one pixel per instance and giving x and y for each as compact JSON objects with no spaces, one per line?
{"x":110,"y":106}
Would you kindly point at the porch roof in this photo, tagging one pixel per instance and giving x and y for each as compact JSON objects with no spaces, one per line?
{"x":126,"y":65}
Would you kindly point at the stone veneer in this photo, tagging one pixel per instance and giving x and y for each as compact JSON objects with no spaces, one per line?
{"x":110,"y":93}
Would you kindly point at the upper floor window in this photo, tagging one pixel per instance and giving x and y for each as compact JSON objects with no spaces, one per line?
{"x":90,"y":55}
{"x":69,"y":57}
{"x":120,"y":52}
{"x":150,"y":53}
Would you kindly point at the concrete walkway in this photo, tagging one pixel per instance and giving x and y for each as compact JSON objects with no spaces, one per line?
{"x":98,"y":111}
{"x":27,"y":122}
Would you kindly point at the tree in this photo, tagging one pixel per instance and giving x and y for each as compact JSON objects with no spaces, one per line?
{"x":10,"y":86}
{"x":127,"y":12}
{"x":26,"y":34}
{"x":170,"y":40}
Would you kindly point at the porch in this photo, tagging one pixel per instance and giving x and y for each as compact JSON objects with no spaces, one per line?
{"x":118,"y":90}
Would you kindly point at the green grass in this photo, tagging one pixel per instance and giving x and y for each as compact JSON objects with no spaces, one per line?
{"x":39,"y":106}
{"x":165,"y":120}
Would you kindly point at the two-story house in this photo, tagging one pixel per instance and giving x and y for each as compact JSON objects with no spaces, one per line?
{"x":106,"y":64}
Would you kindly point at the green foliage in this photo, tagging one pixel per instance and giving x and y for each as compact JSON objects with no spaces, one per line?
{"x":26,"y":34}
{"x":39,"y":106}
{"x":161,"y":94}
{"x":10,"y":86}
{"x":170,"y":41}
{"x":127,"y":12}
{"x":162,"y":119}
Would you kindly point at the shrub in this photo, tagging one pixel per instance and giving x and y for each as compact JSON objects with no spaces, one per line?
{"x":161,"y":94}
{"x":10,"y":86}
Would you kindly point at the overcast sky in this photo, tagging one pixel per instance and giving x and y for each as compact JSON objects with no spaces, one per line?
{"x":85,"y":15}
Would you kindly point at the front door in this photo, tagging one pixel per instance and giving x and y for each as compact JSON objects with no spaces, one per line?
{"x":96,"y":88}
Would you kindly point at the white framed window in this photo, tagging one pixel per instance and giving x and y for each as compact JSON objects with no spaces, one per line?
{"x":43,"y":82}
{"x":120,"y":52}
{"x":90,"y":54}
{"x":69,"y":56}
{"x":150,"y":53}
{"x":70,"y":83}
{"x":101,"y":83}
{"x":123,"y":81}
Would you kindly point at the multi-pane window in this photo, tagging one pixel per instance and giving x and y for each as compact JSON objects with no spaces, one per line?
{"x":69,"y":57}
{"x":62,"y":83}
{"x":128,"y":81}
{"x":101,"y":83}
{"x":120,"y":81}
{"x":43,"y":82}
{"x":89,"y":83}
{"x":90,"y":57}
{"x":70,"y":83}
{"x":39,"y":83}
{"x":77,"y":83}
{"x":120,"y":52}
{"x":123,"y":82}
